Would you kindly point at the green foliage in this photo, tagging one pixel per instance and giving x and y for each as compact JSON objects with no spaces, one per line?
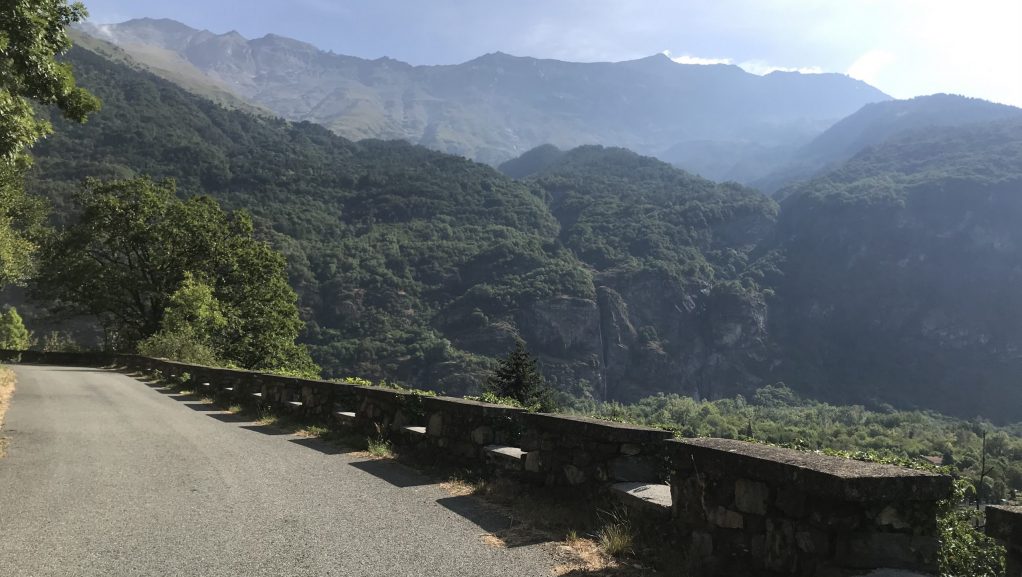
{"x":380,"y":448}
{"x":619,"y":210}
{"x":13,"y":334}
{"x":183,"y":345}
{"x":495,"y":399}
{"x":192,"y":323}
{"x":59,"y":342}
{"x":143,"y":262}
{"x":21,"y":221}
{"x":854,"y":431}
{"x":517,"y":377}
{"x":964,"y":550}
{"x":389,"y":246}
{"x":32,"y":34}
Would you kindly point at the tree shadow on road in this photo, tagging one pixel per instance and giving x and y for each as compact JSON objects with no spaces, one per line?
{"x":325,"y":447}
{"x":230,"y":417}
{"x":393,"y":473}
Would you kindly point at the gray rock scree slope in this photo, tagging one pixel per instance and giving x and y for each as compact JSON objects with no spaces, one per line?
{"x":106,"y":476}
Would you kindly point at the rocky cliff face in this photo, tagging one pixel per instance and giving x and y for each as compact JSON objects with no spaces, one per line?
{"x":672,"y":311}
{"x":644,"y":332}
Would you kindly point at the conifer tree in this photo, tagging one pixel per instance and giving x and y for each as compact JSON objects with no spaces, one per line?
{"x":518,"y":378}
{"x":13,"y":334}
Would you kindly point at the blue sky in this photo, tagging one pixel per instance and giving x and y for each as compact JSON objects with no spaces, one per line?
{"x":904,"y":47}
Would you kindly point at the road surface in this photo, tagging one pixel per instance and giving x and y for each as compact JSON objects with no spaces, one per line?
{"x":106,"y":476}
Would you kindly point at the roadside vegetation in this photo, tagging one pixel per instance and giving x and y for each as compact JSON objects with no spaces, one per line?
{"x":777,"y":415}
{"x":7,"y":382}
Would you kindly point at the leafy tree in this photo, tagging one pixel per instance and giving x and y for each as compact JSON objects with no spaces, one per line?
{"x":517,"y":377}
{"x":127,"y":261}
{"x":21,"y":219}
{"x":59,"y":341}
{"x":13,"y":334}
{"x":191,"y":323}
{"x":32,"y":34}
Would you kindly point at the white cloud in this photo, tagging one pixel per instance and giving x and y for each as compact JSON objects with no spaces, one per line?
{"x":688,"y":59}
{"x":763,"y":68}
{"x":869,"y":67}
{"x":758,"y":67}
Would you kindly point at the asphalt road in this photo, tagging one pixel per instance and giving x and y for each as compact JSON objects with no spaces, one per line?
{"x":106,"y":476}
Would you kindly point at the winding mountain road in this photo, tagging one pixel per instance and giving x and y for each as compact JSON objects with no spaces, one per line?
{"x":107,"y":477}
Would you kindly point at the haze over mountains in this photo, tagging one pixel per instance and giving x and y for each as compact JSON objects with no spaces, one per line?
{"x":883,"y":271}
{"x":717,"y":121}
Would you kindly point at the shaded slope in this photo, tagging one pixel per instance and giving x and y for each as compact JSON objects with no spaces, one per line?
{"x":901,"y":274}
{"x":681,"y":303}
{"x":876,"y":123}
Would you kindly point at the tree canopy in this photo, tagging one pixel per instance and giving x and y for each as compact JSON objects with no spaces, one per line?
{"x":32,"y":34}
{"x":13,"y":334}
{"x":140,"y":260}
{"x":517,"y":377}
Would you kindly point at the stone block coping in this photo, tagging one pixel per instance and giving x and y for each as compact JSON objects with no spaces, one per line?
{"x":604,"y":431}
{"x":505,"y":452}
{"x":1004,"y":523}
{"x":813,"y":473}
{"x":644,"y":495}
{"x":420,"y":431}
{"x":383,"y":393}
{"x":442,"y":403}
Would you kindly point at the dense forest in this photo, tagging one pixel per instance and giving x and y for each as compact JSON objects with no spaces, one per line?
{"x":388,"y":244}
{"x":901,"y":273}
{"x":625,"y":276}
{"x":422,"y":267}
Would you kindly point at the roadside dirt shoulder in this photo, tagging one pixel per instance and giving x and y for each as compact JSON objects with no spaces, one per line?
{"x":7,"y":381}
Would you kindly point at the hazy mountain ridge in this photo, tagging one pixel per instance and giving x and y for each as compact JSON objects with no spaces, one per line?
{"x":877,"y":123}
{"x":497,"y":106}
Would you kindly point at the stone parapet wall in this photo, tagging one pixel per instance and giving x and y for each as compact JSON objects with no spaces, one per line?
{"x":464,"y":428}
{"x":775,"y":511}
{"x":736,"y":508}
{"x":1005,"y":525}
{"x":571,"y":450}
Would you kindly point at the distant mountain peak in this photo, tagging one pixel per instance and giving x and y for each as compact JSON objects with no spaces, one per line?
{"x":498,"y":57}
{"x":707,"y":119}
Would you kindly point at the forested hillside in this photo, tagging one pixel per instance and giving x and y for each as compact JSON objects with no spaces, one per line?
{"x":421,"y":267}
{"x":382,"y":238}
{"x":875,"y":124}
{"x":679,"y":301}
{"x":901,"y":274}
{"x":889,"y":280}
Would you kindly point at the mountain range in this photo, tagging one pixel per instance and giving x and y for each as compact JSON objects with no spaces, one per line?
{"x":718,"y":121}
{"x":888,"y":277}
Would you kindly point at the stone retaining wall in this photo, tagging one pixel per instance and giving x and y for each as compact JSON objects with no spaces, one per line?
{"x":739,"y":508}
{"x":573,"y":450}
{"x":775,"y":511}
{"x":1005,"y":525}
